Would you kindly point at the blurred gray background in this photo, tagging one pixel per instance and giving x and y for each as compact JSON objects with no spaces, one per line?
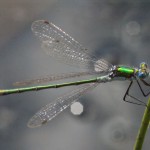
{"x":116,"y":30}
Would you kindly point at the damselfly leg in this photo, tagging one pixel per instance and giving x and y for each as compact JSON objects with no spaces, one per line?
{"x":145,"y":83}
{"x":139,"y":102}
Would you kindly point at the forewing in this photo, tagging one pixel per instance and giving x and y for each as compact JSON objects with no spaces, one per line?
{"x":60,"y":45}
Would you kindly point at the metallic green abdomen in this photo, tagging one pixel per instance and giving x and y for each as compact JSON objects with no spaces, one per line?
{"x":125,"y":71}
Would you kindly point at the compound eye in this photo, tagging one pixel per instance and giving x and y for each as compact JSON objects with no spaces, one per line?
{"x":141,"y":75}
{"x":143,"y":65}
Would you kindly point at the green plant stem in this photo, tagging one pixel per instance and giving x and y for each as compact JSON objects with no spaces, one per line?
{"x":144,"y":126}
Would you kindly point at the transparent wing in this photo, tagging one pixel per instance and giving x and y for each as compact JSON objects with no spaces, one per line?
{"x":51,"y":110}
{"x":60,"y":45}
{"x":55,"y":78}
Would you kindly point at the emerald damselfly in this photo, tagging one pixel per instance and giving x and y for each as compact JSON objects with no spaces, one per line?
{"x":60,"y":45}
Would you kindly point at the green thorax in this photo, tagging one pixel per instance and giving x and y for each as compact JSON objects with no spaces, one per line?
{"x":124,"y":71}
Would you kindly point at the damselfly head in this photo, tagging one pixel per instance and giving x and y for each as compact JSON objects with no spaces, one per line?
{"x":143,"y":71}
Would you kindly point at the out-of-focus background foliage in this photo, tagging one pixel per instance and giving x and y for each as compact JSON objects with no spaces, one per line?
{"x":117,"y":30}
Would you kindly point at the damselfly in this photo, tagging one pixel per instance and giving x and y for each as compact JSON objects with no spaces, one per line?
{"x":59,"y":44}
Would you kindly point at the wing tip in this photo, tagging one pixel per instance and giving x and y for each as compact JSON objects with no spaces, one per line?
{"x":38,"y":22}
{"x":34,"y":122}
